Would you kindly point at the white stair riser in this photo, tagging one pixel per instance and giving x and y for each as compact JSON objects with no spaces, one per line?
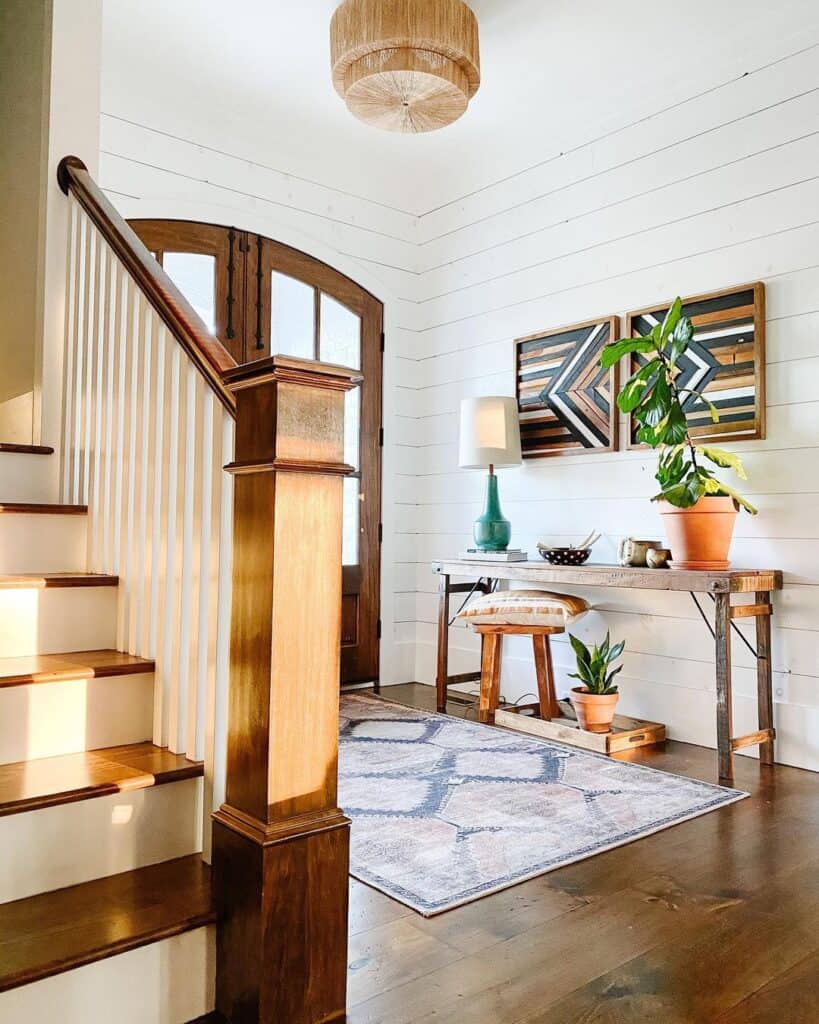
{"x":77,"y":842}
{"x":167,"y":982}
{"x":66,"y":717}
{"x":52,"y":620}
{"x":42,"y":543}
{"x":31,"y":478}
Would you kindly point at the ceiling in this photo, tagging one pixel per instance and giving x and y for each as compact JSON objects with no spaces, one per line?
{"x":251,"y":77}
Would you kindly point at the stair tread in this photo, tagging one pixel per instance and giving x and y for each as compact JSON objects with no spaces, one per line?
{"x":67,"y":778}
{"x":42,"y":508}
{"x":28,"y":581}
{"x":57,"y":931}
{"x":26,"y":449}
{"x":50,"y":668}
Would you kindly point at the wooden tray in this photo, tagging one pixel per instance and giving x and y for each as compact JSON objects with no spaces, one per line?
{"x":626,"y":733}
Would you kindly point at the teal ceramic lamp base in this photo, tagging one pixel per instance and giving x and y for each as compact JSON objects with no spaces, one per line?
{"x":491,"y":531}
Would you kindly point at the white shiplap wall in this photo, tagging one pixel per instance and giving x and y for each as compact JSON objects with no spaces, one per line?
{"x":720,"y":189}
{"x":151,"y":173}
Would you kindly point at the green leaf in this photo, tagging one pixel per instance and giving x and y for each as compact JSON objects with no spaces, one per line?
{"x":614,"y":352}
{"x":695,"y":489}
{"x":658,"y":404}
{"x":724,"y":459}
{"x":616,"y":651}
{"x":683,"y":494}
{"x":581,"y":652}
{"x":649,"y":436}
{"x":675,"y":350}
{"x":683,"y":332}
{"x":676,"y":429}
{"x":671,"y":318}
{"x":636,"y":387}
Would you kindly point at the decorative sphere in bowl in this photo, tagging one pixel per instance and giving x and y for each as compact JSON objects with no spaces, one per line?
{"x":565,"y":556}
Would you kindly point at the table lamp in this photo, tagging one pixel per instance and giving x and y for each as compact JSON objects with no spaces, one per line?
{"x":490,"y":438}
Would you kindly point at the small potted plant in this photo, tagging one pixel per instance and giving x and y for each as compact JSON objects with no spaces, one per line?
{"x":699,"y":511}
{"x":595,"y":701}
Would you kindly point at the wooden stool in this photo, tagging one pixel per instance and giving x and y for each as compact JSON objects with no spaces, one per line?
{"x":491,"y":650}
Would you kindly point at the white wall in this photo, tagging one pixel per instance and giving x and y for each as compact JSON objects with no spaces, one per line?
{"x":149,"y":173}
{"x":718,"y":190}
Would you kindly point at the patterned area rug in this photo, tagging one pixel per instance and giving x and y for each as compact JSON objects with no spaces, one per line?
{"x":445,"y":811}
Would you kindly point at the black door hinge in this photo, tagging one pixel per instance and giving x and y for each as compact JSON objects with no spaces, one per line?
{"x":378,"y":629}
{"x":380,"y":533}
{"x":382,"y":341}
{"x":380,"y":437}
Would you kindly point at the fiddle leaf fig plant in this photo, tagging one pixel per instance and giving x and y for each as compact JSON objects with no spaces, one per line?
{"x":593,"y":665}
{"x":654,"y":398}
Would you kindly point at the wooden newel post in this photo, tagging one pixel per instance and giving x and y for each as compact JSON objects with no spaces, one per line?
{"x":280,"y":843}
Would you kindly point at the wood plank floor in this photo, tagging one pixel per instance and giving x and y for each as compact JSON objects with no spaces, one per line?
{"x":714,"y":921}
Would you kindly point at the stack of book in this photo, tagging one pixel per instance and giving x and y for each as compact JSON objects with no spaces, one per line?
{"x":510,"y":555}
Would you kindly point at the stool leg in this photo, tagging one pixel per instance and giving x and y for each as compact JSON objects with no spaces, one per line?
{"x":490,"y":677}
{"x":545,"y":677}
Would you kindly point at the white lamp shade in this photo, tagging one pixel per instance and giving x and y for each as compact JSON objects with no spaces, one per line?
{"x":490,"y":433}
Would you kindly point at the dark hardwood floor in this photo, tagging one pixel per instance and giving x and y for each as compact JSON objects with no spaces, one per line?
{"x":714,"y":921}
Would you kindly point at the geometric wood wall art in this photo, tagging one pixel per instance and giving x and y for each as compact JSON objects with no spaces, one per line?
{"x":566,"y":401}
{"x":725,"y":361}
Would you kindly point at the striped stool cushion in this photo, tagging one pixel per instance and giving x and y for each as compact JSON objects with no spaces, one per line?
{"x":524,"y":608}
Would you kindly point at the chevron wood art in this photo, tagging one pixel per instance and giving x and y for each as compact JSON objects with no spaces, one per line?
{"x":565,"y":399}
{"x":725,"y":362}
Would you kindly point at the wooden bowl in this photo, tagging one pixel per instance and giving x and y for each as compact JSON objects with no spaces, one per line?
{"x":565,"y":556}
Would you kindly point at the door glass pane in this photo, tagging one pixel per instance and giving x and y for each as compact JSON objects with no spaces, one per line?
{"x":352,"y":512}
{"x":352,"y":420}
{"x":340,"y":340}
{"x":292,"y":316}
{"x":194,"y":274}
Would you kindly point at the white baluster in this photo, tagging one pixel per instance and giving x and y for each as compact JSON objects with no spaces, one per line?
{"x":74,"y":494}
{"x":103,"y":528}
{"x":69,"y":385}
{"x":171,"y":617}
{"x":120,"y":436}
{"x":99,"y":355}
{"x":190,"y":560}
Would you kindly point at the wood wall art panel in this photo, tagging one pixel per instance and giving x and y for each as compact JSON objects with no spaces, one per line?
{"x":566,"y":401}
{"x":726,"y":361}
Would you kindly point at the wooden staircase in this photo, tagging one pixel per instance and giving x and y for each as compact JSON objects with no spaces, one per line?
{"x":117,"y":632}
{"x":112,"y":546}
{"x":103,"y":890}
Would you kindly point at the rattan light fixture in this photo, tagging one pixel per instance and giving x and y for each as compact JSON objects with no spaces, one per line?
{"x":405,"y":65}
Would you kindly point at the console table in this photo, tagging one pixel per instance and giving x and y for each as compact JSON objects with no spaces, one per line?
{"x":720,"y":586}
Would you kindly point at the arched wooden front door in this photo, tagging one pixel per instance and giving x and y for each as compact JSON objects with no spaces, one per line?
{"x":260,"y":297}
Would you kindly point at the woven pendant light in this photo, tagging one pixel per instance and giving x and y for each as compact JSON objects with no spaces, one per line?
{"x":405,"y":65}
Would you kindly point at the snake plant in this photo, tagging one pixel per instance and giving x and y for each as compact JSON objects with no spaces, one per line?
{"x":593,"y":665}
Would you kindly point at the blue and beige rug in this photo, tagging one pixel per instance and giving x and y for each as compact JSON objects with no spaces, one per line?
{"x":445,"y":811}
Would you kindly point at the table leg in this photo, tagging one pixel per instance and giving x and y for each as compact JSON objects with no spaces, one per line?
{"x":442,"y":672}
{"x":491,"y":651}
{"x":722,"y":630}
{"x":764,"y":679}
{"x":544,"y":672}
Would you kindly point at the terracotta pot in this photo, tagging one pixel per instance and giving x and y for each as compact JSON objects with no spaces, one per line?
{"x":594,"y":711}
{"x":700,"y":536}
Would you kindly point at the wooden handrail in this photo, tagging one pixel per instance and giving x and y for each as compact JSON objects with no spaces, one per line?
{"x":184,"y":323}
